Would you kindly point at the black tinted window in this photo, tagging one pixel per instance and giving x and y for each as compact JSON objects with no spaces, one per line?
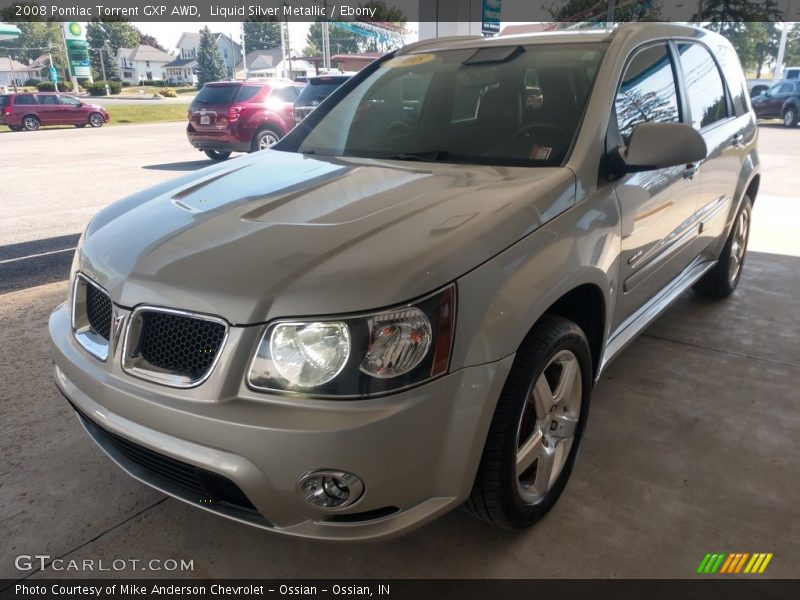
{"x":704,"y":88}
{"x":647,"y":93}
{"x":50,"y":100}
{"x":786,"y":88}
{"x":317,"y":92}
{"x":25,"y":99}
{"x":217,"y":94}
{"x":3,"y":100}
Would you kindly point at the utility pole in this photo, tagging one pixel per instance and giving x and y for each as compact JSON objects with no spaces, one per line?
{"x":244,"y":53}
{"x":103,"y":68}
{"x":13,"y":73}
{"x":326,"y":39}
{"x":69,"y":61}
{"x":50,"y":58}
{"x":288,"y":43}
{"x":781,"y":52}
{"x":610,"y":13}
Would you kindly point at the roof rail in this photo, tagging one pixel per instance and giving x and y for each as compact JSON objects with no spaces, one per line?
{"x":436,"y":41}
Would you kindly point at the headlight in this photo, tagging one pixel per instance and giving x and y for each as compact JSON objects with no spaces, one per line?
{"x":358,"y":356}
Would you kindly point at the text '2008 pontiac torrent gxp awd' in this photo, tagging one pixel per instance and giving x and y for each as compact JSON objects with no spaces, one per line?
{"x":402,"y":307}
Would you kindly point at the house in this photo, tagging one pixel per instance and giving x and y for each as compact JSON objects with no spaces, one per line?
{"x":183,"y":69}
{"x":143,"y":63}
{"x":12,"y":71}
{"x":354,"y":62}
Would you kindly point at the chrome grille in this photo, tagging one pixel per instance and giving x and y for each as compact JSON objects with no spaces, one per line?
{"x":98,"y":311}
{"x":173,"y":347}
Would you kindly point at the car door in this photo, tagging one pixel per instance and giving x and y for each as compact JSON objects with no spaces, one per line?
{"x":717,"y":107}
{"x":656,"y":206}
{"x":73,"y":111}
{"x":49,"y":109}
{"x":776,"y":96}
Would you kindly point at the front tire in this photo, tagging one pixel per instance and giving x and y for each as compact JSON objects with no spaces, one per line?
{"x":96,"y":120}
{"x":790,"y":117}
{"x":537,"y":427}
{"x":217,"y":154}
{"x":723,"y":278}
{"x":31,"y":123}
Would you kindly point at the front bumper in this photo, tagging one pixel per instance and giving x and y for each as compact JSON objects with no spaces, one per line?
{"x":417,"y":451}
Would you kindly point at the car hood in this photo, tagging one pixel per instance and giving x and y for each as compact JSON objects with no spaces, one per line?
{"x":282,"y":234}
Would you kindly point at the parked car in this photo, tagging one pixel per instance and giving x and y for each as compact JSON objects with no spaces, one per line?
{"x":241,"y":116}
{"x":368,"y":325}
{"x":781,"y":101}
{"x":29,"y":111}
{"x":316,"y":90}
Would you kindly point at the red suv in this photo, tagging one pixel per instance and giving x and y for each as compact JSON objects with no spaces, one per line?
{"x":29,"y":111}
{"x":241,"y":116}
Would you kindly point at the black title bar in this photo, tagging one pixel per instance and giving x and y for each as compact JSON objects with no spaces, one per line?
{"x":599,"y":11}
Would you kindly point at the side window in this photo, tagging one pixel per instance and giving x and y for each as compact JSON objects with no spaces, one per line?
{"x":50,"y":100}
{"x":247,"y":92}
{"x":285,"y":94}
{"x":647,"y":92}
{"x":786,"y":88}
{"x":25,"y":99}
{"x":737,"y":85}
{"x":67,"y":100}
{"x":705,"y":91}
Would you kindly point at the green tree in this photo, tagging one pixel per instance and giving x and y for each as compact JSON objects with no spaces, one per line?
{"x":597,"y":10}
{"x":792,"y":56}
{"x":38,"y":38}
{"x":721,"y":12}
{"x":149,"y":40}
{"x":262,"y":34}
{"x":756,"y":43}
{"x":210,"y":66}
{"x":106,"y":38}
{"x":343,"y":40}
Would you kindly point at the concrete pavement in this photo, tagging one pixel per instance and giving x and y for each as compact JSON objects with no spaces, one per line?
{"x":692,"y":446}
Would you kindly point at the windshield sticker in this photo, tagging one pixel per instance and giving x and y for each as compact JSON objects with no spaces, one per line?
{"x":410,"y":60}
{"x":540,"y":152}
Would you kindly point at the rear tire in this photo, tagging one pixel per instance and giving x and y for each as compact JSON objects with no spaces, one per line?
{"x":790,"y":117}
{"x":14,"y":127}
{"x":31,"y":123}
{"x":217,"y":154}
{"x":537,"y":427}
{"x":723,"y":278}
{"x":96,"y":120}
{"x":264,"y":139}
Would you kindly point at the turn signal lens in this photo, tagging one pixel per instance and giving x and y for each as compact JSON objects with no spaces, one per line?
{"x":399,"y":340}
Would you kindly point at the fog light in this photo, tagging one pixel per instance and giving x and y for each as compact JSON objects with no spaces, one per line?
{"x":330,"y":489}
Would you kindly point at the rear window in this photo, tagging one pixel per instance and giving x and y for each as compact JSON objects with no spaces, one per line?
{"x":218,"y":94}
{"x":25,"y":99}
{"x":3,"y":101}
{"x":317,"y":91}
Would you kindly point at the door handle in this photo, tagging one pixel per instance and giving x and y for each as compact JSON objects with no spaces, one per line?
{"x":737,"y":140}
{"x":691,"y":170}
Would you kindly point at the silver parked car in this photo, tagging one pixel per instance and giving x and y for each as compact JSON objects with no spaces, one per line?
{"x":402,"y":307}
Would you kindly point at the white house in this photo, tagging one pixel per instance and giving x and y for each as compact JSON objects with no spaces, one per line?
{"x":183,"y":69}
{"x":265,"y":64}
{"x":142,"y":64}
{"x":11,"y":70}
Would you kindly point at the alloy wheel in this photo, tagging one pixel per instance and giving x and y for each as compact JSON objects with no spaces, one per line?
{"x":31,"y":123}
{"x":266,"y":140}
{"x":739,"y":245}
{"x":547,"y":426}
{"x":789,"y":118}
{"x":96,"y":120}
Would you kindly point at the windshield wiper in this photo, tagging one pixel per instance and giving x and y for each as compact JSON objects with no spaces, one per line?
{"x":430,"y":156}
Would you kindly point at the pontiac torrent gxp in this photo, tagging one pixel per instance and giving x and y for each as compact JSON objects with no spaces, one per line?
{"x":403,"y":305}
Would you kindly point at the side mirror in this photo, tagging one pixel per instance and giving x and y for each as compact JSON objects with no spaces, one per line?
{"x":660,"y":145}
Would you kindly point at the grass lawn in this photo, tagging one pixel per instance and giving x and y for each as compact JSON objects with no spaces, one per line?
{"x":124,"y":114}
{"x":149,"y":90}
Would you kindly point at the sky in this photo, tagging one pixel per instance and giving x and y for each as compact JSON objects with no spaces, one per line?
{"x":168,"y":33}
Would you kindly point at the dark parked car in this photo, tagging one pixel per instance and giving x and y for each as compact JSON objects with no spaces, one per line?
{"x":241,"y":116}
{"x":33,"y":110}
{"x":781,"y":101}
{"x":315,"y":92}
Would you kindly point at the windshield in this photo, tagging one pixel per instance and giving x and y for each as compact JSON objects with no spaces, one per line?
{"x":318,"y":91}
{"x":217,"y":94}
{"x":516,"y":105}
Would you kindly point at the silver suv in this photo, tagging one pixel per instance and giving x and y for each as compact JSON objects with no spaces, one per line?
{"x":403,"y":306}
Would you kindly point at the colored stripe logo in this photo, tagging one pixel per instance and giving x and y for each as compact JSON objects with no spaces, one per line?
{"x":733,"y":563}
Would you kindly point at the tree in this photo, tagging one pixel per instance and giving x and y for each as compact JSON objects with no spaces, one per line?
{"x":343,"y":40}
{"x":792,"y":56}
{"x":106,"y":38}
{"x":720,"y":12}
{"x":597,"y":10}
{"x":756,"y":43}
{"x":37,"y":38}
{"x":149,"y":40}
{"x":262,"y":34}
{"x":210,"y":66}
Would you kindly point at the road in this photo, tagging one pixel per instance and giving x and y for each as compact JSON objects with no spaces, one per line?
{"x":691,"y":447}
